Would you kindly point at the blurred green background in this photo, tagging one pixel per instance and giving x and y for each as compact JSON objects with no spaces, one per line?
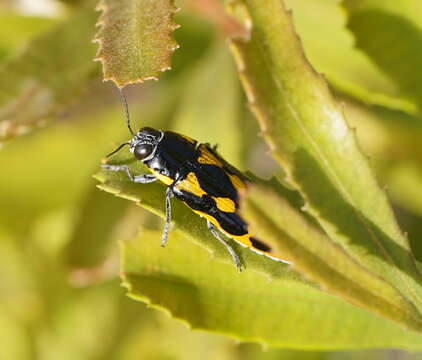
{"x":60,"y":296}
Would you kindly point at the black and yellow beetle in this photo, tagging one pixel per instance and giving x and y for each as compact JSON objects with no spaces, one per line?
{"x":195,"y":174}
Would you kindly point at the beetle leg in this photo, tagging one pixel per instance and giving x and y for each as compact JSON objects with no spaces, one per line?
{"x":216,"y":234}
{"x":140,"y":179}
{"x":164,"y":238}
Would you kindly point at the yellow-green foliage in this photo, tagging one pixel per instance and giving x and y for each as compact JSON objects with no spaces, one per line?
{"x":335,"y":88}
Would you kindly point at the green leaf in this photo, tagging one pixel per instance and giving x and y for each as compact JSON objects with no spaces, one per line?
{"x":314,"y":255}
{"x":152,"y":197}
{"x":331,"y":50}
{"x":390,"y":32}
{"x":182,"y":279}
{"x":309,"y":137}
{"x":136,"y":39}
{"x":47,"y":76}
{"x":343,"y":276}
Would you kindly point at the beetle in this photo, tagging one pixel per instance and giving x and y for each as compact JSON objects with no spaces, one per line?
{"x":198,"y":176}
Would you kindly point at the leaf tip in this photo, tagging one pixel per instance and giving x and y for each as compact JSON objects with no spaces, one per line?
{"x":158,"y":42}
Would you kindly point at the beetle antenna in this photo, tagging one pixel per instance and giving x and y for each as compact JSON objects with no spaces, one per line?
{"x":113,"y":152}
{"x":126,"y":111}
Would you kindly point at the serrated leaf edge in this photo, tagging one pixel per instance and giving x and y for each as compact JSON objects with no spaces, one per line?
{"x":102,"y":7}
{"x":261,"y":118}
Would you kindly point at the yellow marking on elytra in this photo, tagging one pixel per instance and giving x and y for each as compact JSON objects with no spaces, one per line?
{"x":225,"y":204}
{"x":244,"y":239}
{"x":208,"y":158}
{"x":241,"y":239}
{"x":191,"y":185}
{"x":187,"y":138}
{"x":164,"y":179}
{"x":237,"y":183}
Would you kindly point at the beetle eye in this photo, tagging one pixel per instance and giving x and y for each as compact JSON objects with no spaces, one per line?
{"x":142,"y":151}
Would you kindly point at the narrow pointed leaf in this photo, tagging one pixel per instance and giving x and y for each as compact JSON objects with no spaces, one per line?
{"x":321,"y":260}
{"x":152,"y":197}
{"x":309,"y":137}
{"x":135,"y":39}
{"x":185,"y":282}
{"x":333,"y":52}
{"x":390,"y":33}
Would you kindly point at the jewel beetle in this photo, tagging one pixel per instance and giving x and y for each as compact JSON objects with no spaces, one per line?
{"x":197,"y":175}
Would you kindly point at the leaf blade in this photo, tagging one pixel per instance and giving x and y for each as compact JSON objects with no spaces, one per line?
{"x":184,"y":282}
{"x":152,"y":196}
{"x":332,"y":51}
{"x":391,"y":35}
{"x":314,"y":255}
{"x":135,"y":39}
{"x":309,"y":137}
